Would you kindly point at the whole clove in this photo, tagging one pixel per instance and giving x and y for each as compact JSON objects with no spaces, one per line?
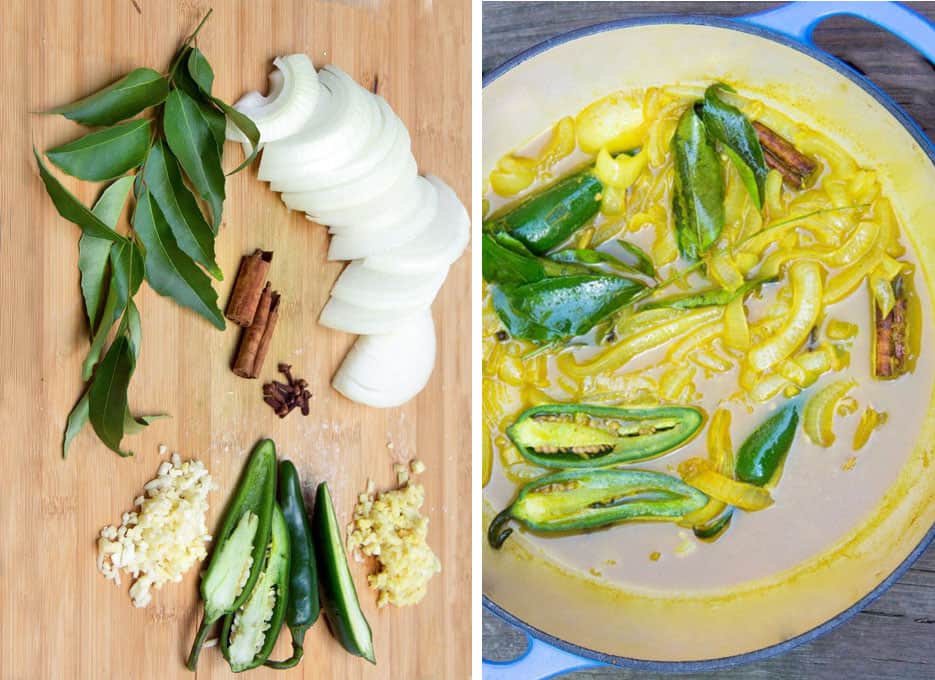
{"x":284,"y":397}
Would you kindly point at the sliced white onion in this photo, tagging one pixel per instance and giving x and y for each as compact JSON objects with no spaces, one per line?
{"x":343,"y":316}
{"x":436,"y":246}
{"x":352,"y":245}
{"x":378,"y":145}
{"x":412,"y":204}
{"x":388,"y":370}
{"x":293,"y":94}
{"x":371,"y":289}
{"x":361,"y":189}
{"x":374,"y":209}
{"x":337,"y":128}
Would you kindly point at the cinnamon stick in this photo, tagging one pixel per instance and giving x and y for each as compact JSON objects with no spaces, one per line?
{"x":891,"y":350}
{"x":252,"y":336}
{"x":245,"y":298}
{"x":263,"y":347}
{"x":795,"y":166}
{"x":789,"y":177}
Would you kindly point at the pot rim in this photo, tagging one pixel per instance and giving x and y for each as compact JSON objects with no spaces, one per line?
{"x":928,"y":148}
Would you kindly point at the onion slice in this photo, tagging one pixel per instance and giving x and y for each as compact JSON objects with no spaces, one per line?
{"x":371,"y":289}
{"x":373,"y":182}
{"x":388,"y":370}
{"x":335,"y":132}
{"x":435,"y":247}
{"x":293,"y":94}
{"x":401,"y":202}
{"x":344,"y":316}
{"x":363,"y":213}
{"x":383,"y":135}
{"x":354,"y":244}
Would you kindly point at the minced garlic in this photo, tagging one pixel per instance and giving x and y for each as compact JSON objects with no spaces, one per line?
{"x":390,"y":527}
{"x":165,"y":535}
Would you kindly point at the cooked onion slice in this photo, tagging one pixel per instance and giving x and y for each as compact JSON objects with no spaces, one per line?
{"x":344,"y":316}
{"x":388,"y":370}
{"x":805,"y":277}
{"x":820,"y":409}
{"x":436,"y":246}
{"x":293,"y":94}
{"x":371,"y":289}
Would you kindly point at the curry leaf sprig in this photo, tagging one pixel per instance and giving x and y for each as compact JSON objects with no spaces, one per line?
{"x":176,"y":143}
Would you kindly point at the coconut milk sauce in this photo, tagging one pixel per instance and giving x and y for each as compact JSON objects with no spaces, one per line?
{"x":817,"y":501}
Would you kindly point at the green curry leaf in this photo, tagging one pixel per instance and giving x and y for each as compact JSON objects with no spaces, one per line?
{"x":104,"y":154}
{"x":76,"y":421}
{"x":94,"y":253}
{"x":246,"y":126}
{"x":192,"y":232}
{"x":72,"y":209}
{"x":561,"y":307}
{"x":107,"y":396}
{"x":138,"y":90}
{"x":707,"y":298}
{"x":193,"y":143}
{"x":698,"y":198}
{"x":727,"y":124}
{"x":644,"y":263}
{"x":169,"y":270}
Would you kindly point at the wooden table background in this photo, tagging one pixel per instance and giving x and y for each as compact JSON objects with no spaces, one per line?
{"x":60,"y":618}
{"x":895,"y":636}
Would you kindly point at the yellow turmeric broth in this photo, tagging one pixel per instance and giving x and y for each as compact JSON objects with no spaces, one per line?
{"x":834,"y":246}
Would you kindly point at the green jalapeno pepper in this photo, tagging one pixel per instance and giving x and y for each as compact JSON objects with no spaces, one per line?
{"x":576,"y":500}
{"x":548,"y":218}
{"x":303,"y":607}
{"x":240,"y":545}
{"x":764,"y":450}
{"x":584,"y":436}
{"x":249,"y":633}
{"x":338,"y":595}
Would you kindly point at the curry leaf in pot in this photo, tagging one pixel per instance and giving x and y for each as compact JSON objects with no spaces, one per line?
{"x":596,"y":261}
{"x":698,"y":198}
{"x":562,"y":307}
{"x":734,"y":131}
{"x":506,"y":261}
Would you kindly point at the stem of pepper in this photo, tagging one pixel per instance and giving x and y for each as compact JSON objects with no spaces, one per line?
{"x":292,"y":661}
{"x":199,"y":642}
{"x":495,"y":536}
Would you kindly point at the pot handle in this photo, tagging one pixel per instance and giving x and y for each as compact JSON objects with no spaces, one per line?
{"x":540,"y":661}
{"x":798,"y":20}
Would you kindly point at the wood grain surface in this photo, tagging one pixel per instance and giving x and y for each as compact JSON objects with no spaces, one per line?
{"x":893,"y":637}
{"x":60,"y":618}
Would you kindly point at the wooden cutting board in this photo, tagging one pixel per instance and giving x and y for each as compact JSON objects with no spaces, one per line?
{"x":60,"y":618}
